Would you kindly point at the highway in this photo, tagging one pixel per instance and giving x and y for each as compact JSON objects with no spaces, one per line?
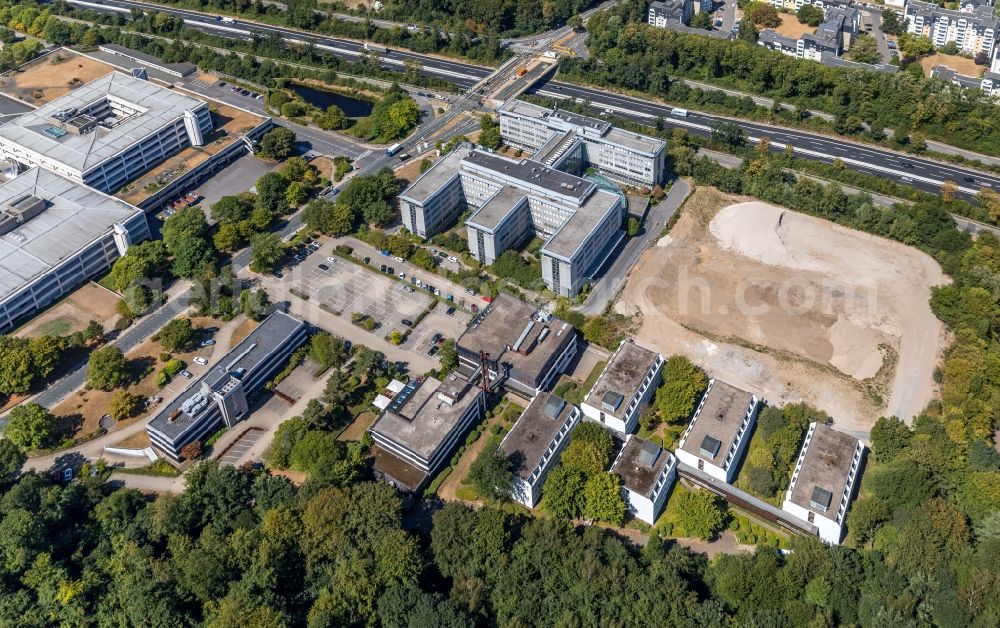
{"x":922,"y":173}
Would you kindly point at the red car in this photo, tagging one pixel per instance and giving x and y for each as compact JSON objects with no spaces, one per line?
{"x":488,"y":299}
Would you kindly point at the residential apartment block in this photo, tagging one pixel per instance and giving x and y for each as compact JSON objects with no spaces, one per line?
{"x":572,"y":142}
{"x":108,"y":131}
{"x":647,"y":473}
{"x":221,"y":397}
{"x":513,"y":201}
{"x":534,"y":443}
{"x":55,"y":234}
{"x":626,"y":384}
{"x":676,"y":11}
{"x":973,"y":28}
{"x":824,"y":480}
{"x":421,"y":427}
{"x":717,"y":437}
{"x":833,"y":37}
{"x":524,"y":348}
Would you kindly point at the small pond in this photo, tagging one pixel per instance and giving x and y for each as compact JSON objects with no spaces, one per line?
{"x":352,"y":107}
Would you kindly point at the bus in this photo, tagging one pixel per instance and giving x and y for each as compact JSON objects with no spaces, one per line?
{"x":392,"y":150}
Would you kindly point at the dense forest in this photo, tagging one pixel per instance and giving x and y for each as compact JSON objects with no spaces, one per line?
{"x":627,"y":54}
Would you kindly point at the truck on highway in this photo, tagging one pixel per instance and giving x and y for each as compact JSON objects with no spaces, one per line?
{"x":392,"y":150}
{"x":680,"y":113}
{"x":370,"y":47}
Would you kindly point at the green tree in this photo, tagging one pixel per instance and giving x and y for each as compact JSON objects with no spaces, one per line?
{"x":176,"y":336}
{"x":333,"y":119}
{"x":29,"y":426}
{"x":564,"y":492}
{"x":255,"y":304}
{"x":271,"y":189}
{"x":864,"y":50}
{"x":603,"y":498}
{"x":124,"y":405}
{"x":762,"y":14}
{"x":632,"y":226}
{"x":492,"y":474}
{"x":489,"y":133}
{"x":228,"y":238}
{"x":889,"y":438}
{"x":107,"y":368}
{"x":295,"y":194}
{"x":448,"y":355}
{"x":915,"y":45}
{"x":192,"y":256}
{"x":232,"y":209}
{"x":702,"y":20}
{"x":141,"y":261}
{"x":277,"y":143}
{"x":811,"y":15}
{"x":265,"y":251}
{"x":327,"y":350}
{"x":11,"y":459}
{"x":682,"y":384}
{"x":22,"y":361}
{"x":699,"y":513}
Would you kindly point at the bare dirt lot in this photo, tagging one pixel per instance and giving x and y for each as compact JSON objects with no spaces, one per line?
{"x":89,"y":302}
{"x":793,"y":307}
{"x":792,"y":27}
{"x":962,"y":65}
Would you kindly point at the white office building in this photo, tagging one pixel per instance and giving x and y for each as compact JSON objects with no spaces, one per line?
{"x":626,"y":384}
{"x":56,"y":234}
{"x":573,"y":142}
{"x":647,"y":473}
{"x":973,"y":28}
{"x":534,"y":443}
{"x":824,"y":480}
{"x":513,"y":201}
{"x":717,"y":437}
{"x":108,"y":131}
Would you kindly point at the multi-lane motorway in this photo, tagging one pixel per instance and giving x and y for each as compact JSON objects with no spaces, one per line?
{"x":925,"y":174}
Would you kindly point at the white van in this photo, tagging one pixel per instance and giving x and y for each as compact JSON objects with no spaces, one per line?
{"x":681,"y":113}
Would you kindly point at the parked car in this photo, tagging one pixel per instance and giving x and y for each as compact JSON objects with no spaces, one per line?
{"x":200,"y":360}
{"x":407,"y":289}
{"x":390,"y":270}
{"x":436,"y":338}
{"x":402,"y":275}
{"x":333,"y":260}
{"x":450,"y":311}
{"x":207,"y":343}
{"x":398,"y":259}
{"x":470,"y":291}
{"x":367,"y":260}
{"x":434,"y":350}
{"x":407,"y":322}
{"x":323,"y":267}
{"x":452,"y":258}
{"x":384,"y":252}
{"x":186,"y":374}
{"x":488,"y":299}
{"x":381,"y":268}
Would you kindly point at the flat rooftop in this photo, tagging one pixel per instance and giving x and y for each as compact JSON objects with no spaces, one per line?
{"x":826,"y":465}
{"x":275,"y":331}
{"x":394,"y":468}
{"x":581,"y":225}
{"x":532,"y":173}
{"x":635,"y":141}
{"x":181,"y":68}
{"x":424,"y":419}
{"x":640,"y":463}
{"x":622,"y":375}
{"x":158,"y":107}
{"x":719,"y":420}
{"x":560,"y":120}
{"x":498,"y":207}
{"x":436,"y":176}
{"x":534,"y":431}
{"x":74,"y":216}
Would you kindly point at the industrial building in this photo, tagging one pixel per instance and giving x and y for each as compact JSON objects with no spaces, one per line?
{"x":524,"y":348}
{"x":421,"y":427}
{"x":573,"y":142}
{"x":627,"y":382}
{"x":108,"y":131}
{"x":221,"y":397}
{"x":513,"y":201}
{"x":534,"y":443}
{"x":824,"y":480}
{"x":647,"y":473}
{"x":54,"y":235}
{"x":717,"y":437}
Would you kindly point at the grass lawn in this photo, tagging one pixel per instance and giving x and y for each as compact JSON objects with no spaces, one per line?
{"x":574,"y":392}
{"x":56,"y":327}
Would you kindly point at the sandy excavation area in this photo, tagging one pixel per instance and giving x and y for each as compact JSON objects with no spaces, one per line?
{"x":792,"y":307}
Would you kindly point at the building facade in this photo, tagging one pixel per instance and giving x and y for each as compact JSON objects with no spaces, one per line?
{"x":824,"y":480}
{"x":622,"y":156}
{"x":107,"y":132}
{"x":717,"y":437}
{"x":973,"y":29}
{"x":832,"y":38}
{"x":222,"y":396}
{"x":513,"y":201}
{"x":624,"y":387}
{"x":534,"y":443}
{"x":55,"y":235}
{"x":647,"y":473}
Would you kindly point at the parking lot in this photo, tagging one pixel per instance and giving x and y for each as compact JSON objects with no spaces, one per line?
{"x":343,"y":287}
{"x":437,"y":322}
{"x":235,"y":452}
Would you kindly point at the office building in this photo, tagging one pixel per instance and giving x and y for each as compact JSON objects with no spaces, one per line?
{"x":627,"y":382}
{"x":524,"y":348}
{"x":824,"y":480}
{"x":221,"y":397}
{"x":107,"y":132}
{"x":143,"y":60}
{"x":573,"y":142}
{"x":55,"y":234}
{"x":513,"y":201}
{"x":717,"y":437}
{"x":421,"y":427}
{"x":973,"y":29}
{"x":647,"y":473}
{"x":534,"y":443}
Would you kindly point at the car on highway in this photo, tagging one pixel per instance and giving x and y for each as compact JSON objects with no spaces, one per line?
{"x":186,"y":374}
{"x":969,"y":179}
{"x":200,"y":360}
{"x":906,"y":179}
{"x":906,"y":165}
{"x":333,"y":260}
